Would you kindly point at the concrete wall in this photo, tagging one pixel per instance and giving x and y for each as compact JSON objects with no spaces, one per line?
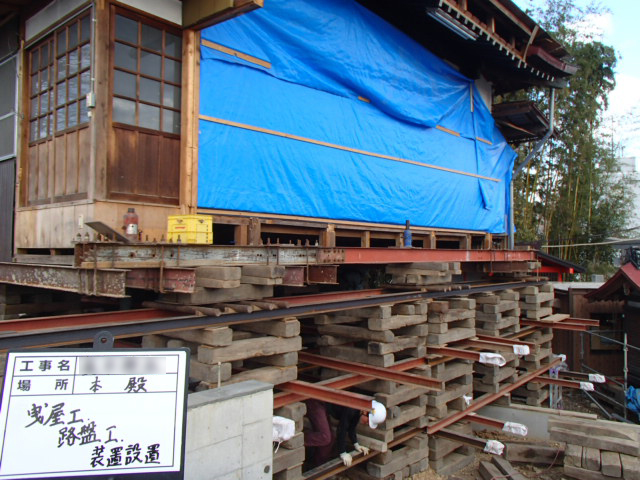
{"x":229,"y":432}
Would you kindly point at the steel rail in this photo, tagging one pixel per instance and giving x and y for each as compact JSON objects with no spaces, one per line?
{"x":328,"y":394}
{"x":55,"y":334}
{"x":461,"y":438}
{"x":504,"y":341}
{"x":371,"y":371}
{"x":487,"y":399}
{"x":455,"y":353}
{"x":489,"y":422}
{"x":558,"y":381}
{"x":576,"y":327}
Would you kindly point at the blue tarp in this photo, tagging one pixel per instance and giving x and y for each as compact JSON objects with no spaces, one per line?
{"x":325,"y":58}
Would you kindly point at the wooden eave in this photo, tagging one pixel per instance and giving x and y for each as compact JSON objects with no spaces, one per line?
{"x":520,"y":121}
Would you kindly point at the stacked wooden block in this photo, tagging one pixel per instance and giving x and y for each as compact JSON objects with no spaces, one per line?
{"x":451,"y":320}
{"x":378,"y":336}
{"x":288,"y":460}
{"x":536,"y":303}
{"x":17,"y":302}
{"x":424,"y":273}
{"x":598,"y":449}
{"x":216,"y":285}
{"x":448,"y":456}
{"x":497,"y":313}
{"x":265,"y":351}
{"x":492,"y":378}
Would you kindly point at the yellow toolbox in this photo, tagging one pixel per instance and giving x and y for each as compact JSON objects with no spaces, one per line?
{"x":190,"y":229}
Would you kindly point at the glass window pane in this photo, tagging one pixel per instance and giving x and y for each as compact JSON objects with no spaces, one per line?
{"x":44,"y":78}
{"x":35,"y":55}
{"x":73,"y":61}
{"x":85,"y":56}
{"x":62,"y":41}
{"x":85,"y":28}
{"x":126,"y":57}
{"x":43,"y":127}
{"x":73,"y":88}
{"x":44,"y":102}
{"x":33,"y":130}
{"x":73,"y":114}
{"x":73,"y":35}
{"x":124,"y":111}
{"x":62,"y":67}
{"x":44,"y":55}
{"x":33,"y":108}
{"x":171,"y":121}
{"x":34,"y":84}
{"x":149,"y":90}
{"x":85,"y":83}
{"x":84,"y":112}
{"x":151,"y":38}
{"x":171,"y":96}
{"x":126,"y":29}
{"x":172,"y":45}
{"x":51,"y":124}
{"x":124,"y":84}
{"x":7,"y":136}
{"x":172,"y":70}
{"x":60,"y":119}
{"x":61,"y":93}
{"x":151,"y":64}
{"x":149,"y":116}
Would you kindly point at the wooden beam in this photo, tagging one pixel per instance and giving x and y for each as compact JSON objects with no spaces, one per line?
{"x":236,"y":53}
{"x":199,"y":14}
{"x":189,"y":129}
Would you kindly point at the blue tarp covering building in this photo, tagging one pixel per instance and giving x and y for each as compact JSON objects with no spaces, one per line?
{"x":333,"y":113}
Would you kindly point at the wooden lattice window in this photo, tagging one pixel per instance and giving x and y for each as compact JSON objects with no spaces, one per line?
{"x":60,"y":78}
{"x":147,"y":74}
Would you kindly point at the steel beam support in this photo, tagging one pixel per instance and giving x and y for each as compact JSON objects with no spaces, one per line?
{"x":489,"y":422}
{"x":371,"y":371}
{"x":557,"y":381}
{"x":504,"y":341}
{"x":564,"y":325}
{"x":116,"y":255}
{"x":174,"y":280}
{"x":101,"y":282}
{"x":455,"y":353}
{"x":345,"y":381}
{"x":487,"y":399}
{"x":461,"y":438}
{"x":330,"y":395}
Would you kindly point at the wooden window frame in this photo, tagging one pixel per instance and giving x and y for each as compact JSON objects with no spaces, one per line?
{"x":165,"y":28}
{"x":55,"y":78}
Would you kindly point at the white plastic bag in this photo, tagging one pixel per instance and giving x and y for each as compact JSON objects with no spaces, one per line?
{"x":494,"y":446}
{"x":492,"y":359}
{"x":597,"y":378}
{"x":521,"y":350}
{"x":515,"y":428}
{"x":586,"y":386}
{"x":283,"y":429}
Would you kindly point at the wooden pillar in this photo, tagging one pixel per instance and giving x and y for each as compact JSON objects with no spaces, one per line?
{"x":365,"y":239}
{"x":487,"y":242}
{"x":399,"y":240}
{"x":329,"y":237}
{"x":190,"y":120}
{"x":253,"y":235}
{"x":465,"y":242}
{"x":241,"y":235}
{"x":100,"y":119}
{"x":431,"y":242}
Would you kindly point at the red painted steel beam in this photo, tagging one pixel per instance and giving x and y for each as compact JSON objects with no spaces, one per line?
{"x":504,"y":341}
{"x":486,"y":400}
{"x":584,"y":321}
{"x":409,"y":255}
{"x":69,"y":321}
{"x":345,"y":381}
{"x":327,"y":297}
{"x":330,"y":395}
{"x":489,"y":422}
{"x":557,"y":381}
{"x":576,"y":327}
{"x":371,"y":371}
{"x":455,"y":353}
{"x":461,"y":438}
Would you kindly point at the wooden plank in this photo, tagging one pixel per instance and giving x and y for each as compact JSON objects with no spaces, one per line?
{"x":236,"y":53}
{"x":219,"y":273}
{"x":71,"y":169}
{"x":273,"y":375}
{"x":358,"y":333}
{"x":591,"y":459}
{"x":630,"y":467}
{"x":287,"y":327}
{"x":212,"y":336}
{"x":583,"y":474}
{"x":573,"y":455}
{"x":209,"y":373}
{"x":507,"y":469}
{"x":253,"y":347}
{"x":488,"y":471}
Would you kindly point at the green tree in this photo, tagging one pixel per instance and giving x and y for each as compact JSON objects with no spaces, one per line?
{"x":573,"y":192}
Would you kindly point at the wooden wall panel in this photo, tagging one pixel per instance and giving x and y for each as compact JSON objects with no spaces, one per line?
{"x":43,"y":172}
{"x":84,"y":159}
{"x":59,"y":166}
{"x":32,"y":174}
{"x":71,"y":175}
{"x":143,"y":167}
{"x":7,"y":191}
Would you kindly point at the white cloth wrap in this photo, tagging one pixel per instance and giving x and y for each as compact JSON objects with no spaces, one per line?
{"x":521,"y":350}
{"x":492,"y":359}
{"x":467,"y":399}
{"x":515,"y":428}
{"x":586,"y":386}
{"x":562,"y":357}
{"x":596,"y":378}
{"x":283,"y":429}
{"x":494,"y":446}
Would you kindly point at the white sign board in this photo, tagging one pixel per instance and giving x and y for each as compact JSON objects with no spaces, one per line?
{"x":85,"y":412}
